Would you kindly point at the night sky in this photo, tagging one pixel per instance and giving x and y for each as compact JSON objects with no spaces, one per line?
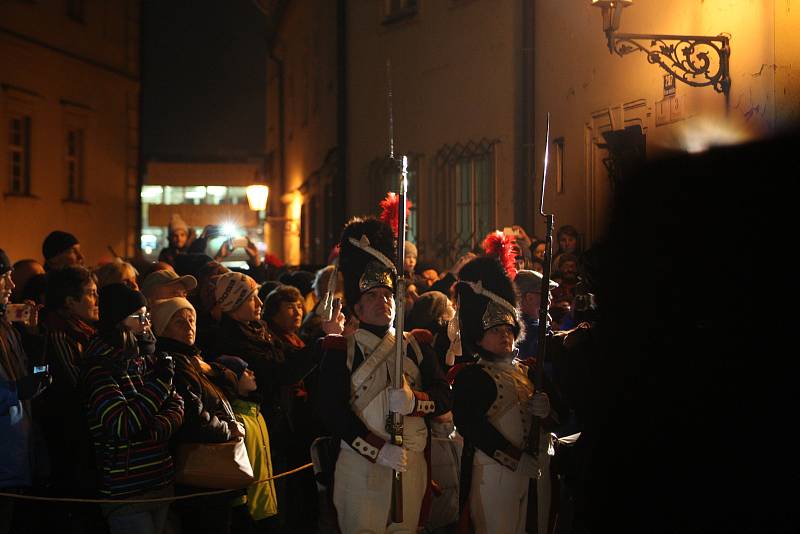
{"x":203,"y":80}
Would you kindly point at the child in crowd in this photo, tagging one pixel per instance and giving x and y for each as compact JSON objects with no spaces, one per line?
{"x":261,"y":503}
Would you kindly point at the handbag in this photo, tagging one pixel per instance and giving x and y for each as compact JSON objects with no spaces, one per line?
{"x":214,"y":465}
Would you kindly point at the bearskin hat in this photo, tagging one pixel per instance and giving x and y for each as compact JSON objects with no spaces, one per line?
{"x":367,"y":257}
{"x":486,"y":298}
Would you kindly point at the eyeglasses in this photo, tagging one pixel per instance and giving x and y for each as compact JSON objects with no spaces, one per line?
{"x":144,"y":318}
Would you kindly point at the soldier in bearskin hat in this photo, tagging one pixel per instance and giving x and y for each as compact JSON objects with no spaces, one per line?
{"x":494,"y":402}
{"x":356,"y":393}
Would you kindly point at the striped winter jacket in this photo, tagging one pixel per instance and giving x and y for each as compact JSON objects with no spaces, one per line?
{"x":132,"y":415}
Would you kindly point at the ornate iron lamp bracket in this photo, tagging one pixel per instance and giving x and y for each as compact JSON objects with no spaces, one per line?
{"x":695,"y":60}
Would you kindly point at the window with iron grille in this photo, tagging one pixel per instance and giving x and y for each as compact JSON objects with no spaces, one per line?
{"x":19,"y":154}
{"x":463,"y":198}
{"x":74,"y":163}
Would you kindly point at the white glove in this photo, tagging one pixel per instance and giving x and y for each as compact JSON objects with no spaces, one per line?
{"x":454,"y":334}
{"x":527,"y":466}
{"x":401,"y":400}
{"x":393,"y":456}
{"x":334,"y":325}
{"x":540,"y":405}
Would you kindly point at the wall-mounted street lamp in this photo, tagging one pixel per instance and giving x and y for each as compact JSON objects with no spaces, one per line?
{"x":696,"y":60}
{"x":257,"y":195}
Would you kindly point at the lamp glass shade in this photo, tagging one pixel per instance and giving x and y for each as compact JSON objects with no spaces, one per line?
{"x":611,"y":3}
{"x":257,"y":197}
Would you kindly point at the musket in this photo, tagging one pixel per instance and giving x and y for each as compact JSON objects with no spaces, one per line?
{"x":544,"y":300}
{"x":395,"y":423}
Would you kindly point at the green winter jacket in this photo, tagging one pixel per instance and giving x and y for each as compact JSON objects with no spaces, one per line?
{"x":261,"y":498}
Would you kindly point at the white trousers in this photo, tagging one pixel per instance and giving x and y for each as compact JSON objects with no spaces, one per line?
{"x":498,"y":500}
{"x":362,"y":494}
{"x":544,"y":489}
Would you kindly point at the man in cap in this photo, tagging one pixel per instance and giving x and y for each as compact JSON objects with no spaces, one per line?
{"x":357,"y":397}
{"x":527,"y":286}
{"x":494,"y":402}
{"x":61,"y":249}
{"x":166,"y":284}
{"x":528,"y":289}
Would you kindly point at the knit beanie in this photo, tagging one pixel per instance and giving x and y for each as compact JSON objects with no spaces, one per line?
{"x":56,"y":243}
{"x":234,"y":363}
{"x":176,"y":222}
{"x":232,"y":290}
{"x":163,"y":310}
{"x":118,"y":301}
{"x":410,"y":249}
{"x":429,"y":309}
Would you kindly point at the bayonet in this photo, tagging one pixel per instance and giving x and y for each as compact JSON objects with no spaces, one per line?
{"x":544,"y":299}
{"x":395,"y":423}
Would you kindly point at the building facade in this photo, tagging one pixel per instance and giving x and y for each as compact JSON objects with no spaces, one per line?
{"x":473,"y":82}
{"x":69,"y":125}
{"x":461,"y":102}
{"x":305,"y":128}
{"x":605,"y":108}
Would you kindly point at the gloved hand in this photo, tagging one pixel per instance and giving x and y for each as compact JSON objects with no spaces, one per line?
{"x":194,"y":407}
{"x":540,"y":404}
{"x":393,"y":456}
{"x":147,"y":343}
{"x":236,"y":429}
{"x":528,"y":466}
{"x":164,"y":367}
{"x":401,"y":400}
{"x":30,"y":386}
{"x":336,"y":324}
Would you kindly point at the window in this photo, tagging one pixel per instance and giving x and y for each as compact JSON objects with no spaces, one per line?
{"x":473,"y":196}
{"x":399,"y":10}
{"x":76,"y":10}
{"x":19,"y":154}
{"x":463,"y":191}
{"x":74,"y":163}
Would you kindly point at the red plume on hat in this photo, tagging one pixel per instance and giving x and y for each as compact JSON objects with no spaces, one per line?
{"x":389,"y":209}
{"x":334,"y":255}
{"x":501,"y":246}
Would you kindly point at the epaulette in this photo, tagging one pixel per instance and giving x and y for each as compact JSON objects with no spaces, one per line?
{"x":422,"y":336}
{"x":334,"y":342}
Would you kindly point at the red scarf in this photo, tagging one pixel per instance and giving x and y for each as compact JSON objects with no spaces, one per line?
{"x":73,"y":326}
{"x":293,"y":340}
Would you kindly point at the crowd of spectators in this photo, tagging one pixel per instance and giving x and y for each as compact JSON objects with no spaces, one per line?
{"x":114,"y":367}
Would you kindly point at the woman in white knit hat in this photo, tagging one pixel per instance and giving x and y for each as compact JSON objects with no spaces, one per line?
{"x":208,"y":416}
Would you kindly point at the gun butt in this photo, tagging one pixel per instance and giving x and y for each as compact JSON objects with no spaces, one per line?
{"x":397,"y":497}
